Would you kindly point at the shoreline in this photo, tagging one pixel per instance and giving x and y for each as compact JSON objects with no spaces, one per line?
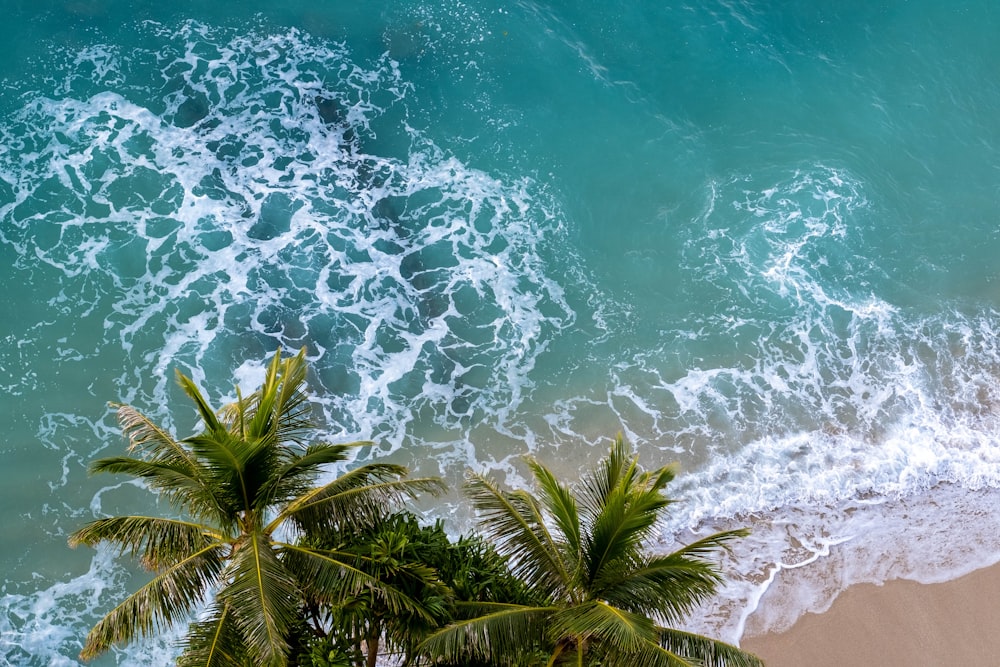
{"x":901,"y":623}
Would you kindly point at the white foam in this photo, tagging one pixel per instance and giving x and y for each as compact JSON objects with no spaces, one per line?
{"x":47,"y":625}
{"x":807,"y":406}
{"x":252,"y":203}
{"x":799,"y":557}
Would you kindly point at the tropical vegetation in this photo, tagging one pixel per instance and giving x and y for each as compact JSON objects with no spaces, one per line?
{"x":435,"y":572}
{"x":245,"y":490}
{"x":279,"y":567}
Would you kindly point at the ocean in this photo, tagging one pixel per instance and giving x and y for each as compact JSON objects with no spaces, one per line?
{"x":760,"y":239}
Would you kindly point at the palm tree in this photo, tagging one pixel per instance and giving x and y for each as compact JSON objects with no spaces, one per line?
{"x":400,"y":552}
{"x":245,"y":489}
{"x":607,"y":600}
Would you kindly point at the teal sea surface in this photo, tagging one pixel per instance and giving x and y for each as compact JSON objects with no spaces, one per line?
{"x":761,"y":239}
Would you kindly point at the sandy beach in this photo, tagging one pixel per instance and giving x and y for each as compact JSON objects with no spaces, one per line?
{"x":899,"y":624}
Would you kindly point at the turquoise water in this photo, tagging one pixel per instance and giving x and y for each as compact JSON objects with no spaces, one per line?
{"x":761,"y":241}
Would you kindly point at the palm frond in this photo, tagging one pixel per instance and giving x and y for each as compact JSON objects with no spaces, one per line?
{"x":205,"y":411}
{"x":516,"y":527}
{"x":618,"y":532}
{"x":331,"y":576}
{"x":708,"y":547}
{"x":297,"y":474}
{"x":165,"y":476}
{"x":650,"y":654}
{"x":509,"y":630}
{"x":671,"y":586}
{"x":279,"y":411}
{"x":618,"y":469}
{"x":354,"y":479}
{"x":668,"y":587}
{"x":705,"y":651}
{"x":169,"y":597}
{"x":264,"y":599}
{"x":466,"y":610}
{"x":213,"y":641}
{"x":146,"y":436}
{"x":562,"y":507}
{"x":603,"y":624}
{"x":357,"y":498}
{"x":261,"y":421}
{"x":155,"y":541}
{"x":293,"y":410}
{"x":657,"y":480}
{"x":228,"y":468}
{"x":177,"y":483}
{"x":597,"y":483}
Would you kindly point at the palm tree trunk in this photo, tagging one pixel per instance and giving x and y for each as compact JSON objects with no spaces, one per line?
{"x":371,"y":646}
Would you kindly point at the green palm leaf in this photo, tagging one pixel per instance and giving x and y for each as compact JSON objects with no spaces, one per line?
{"x":650,"y":654}
{"x":507,"y":630}
{"x":710,"y":652}
{"x":334,"y":575}
{"x":264,"y":599}
{"x":358,"y":497}
{"x":208,"y":416}
{"x":173,"y":481}
{"x":596,"y":484}
{"x":293,"y":410}
{"x":297,"y":475}
{"x":619,"y":470}
{"x":561,"y":504}
{"x":515,"y":523}
{"x":708,"y":547}
{"x":157,"y":542}
{"x":146,"y":436}
{"x":235,"y":468}
{"x":667,"y":587}
{"x":277,"y":412}
{"x":214,"y":641}
{"x":618,"y":629}
{"x":169,"y":597}
{"x":617,"y":533}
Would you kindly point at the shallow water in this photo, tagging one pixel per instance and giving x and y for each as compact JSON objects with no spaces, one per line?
{"x":763,"y":243}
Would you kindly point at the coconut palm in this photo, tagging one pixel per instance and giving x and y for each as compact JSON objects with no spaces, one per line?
{"x":608,"y":601}
{"x":245,"y":489}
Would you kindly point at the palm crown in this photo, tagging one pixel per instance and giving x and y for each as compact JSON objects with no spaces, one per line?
{"x":245,"y":488}
{"x":604,"y":599}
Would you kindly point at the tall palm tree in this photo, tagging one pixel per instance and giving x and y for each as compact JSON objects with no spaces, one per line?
{"x":607,"y":600}
{"x":245,"y":489}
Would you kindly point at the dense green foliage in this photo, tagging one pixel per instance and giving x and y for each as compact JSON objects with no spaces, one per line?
{"x":437,"y":574}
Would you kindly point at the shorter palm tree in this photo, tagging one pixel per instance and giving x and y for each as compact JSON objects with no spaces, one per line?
{"x":245,"y":489}
{"x":401,"y":553}
{"x":606,"y":600}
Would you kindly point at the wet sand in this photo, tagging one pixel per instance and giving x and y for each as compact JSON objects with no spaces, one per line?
{"x":899,"y":624}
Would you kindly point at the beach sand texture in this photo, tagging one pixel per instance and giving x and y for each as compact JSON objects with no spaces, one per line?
{"x":899,"y":624}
